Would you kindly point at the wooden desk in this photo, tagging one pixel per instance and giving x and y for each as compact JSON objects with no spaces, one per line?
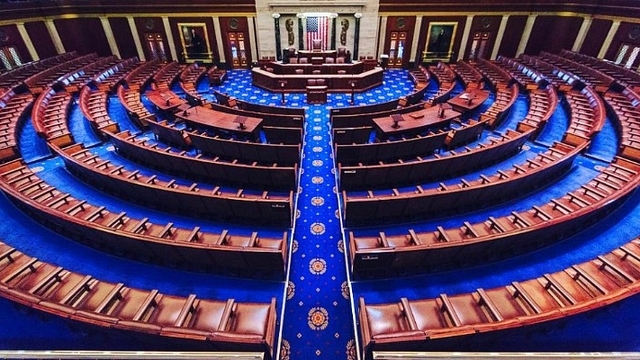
{"x":469,"y":100}
{"x":165,"y":100}
{"x":335,"y":82}
{"x":316,"y":94}
{"x":203,"y":117}
{"x":309,"y":54}
{"x":413,"y":123}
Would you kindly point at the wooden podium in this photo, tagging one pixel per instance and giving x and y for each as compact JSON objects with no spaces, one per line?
{"x":316,"y":91}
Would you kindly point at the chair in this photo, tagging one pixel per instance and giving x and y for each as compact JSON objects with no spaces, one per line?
{"x":340,"y":60}
{"x":316,"y":45}
{"x":329,"y":60}
{"x":299,"y":71}
{"x":293,"y":60}
{"x":303,"y":60}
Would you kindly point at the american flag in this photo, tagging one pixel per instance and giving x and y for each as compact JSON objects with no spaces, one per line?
{"x":317,"y":28}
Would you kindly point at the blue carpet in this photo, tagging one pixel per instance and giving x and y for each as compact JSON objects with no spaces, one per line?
{"x":318,"y":313}
{"x":118,"y":114}
{"x":32,"y":147}
{"x":604,"y":144}
{"x":80,"y":127}
{"x":555,"y":127}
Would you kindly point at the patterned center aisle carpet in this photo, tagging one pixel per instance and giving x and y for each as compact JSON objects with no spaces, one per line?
{"x":318,"y":319}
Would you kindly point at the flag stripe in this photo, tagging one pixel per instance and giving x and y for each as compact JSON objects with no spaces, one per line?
{"x":317,"y":28}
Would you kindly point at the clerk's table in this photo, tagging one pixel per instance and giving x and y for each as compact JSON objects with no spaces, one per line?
{"x":221,"y":122}
{"x":165,"y":100}
{"x":468,"y":100}
{"x":413,"y":123}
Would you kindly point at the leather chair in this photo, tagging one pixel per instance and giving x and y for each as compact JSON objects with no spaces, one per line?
{"x":316,"y":45}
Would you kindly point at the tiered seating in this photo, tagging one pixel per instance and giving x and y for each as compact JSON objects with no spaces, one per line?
{"x":496,"y":238}
{"x":506,"y":92}
{"x":18,"y":75}
{"x":418,"y":324}
{"x":216,"y":324}
{"x":129,"y":92}
{"x":93,"y":105}
{"x":624,"y":76}
{"x":587,"y":110}
{"x":599,"y":81}
{"x":216,"y":75}
{"x":447,"y":81}
{"x":282,"y":154}
{"x":468,"y":195}
{"x":471,"y":78}
{"x":12,"y":109}
{"x":167,"y":75}
{"x":43,"y":79}
{"x":164,"y":244}
{"x":588,"y":115}
{"x":626,"y":106}
{"x":527,"y":77}
{"x":542,"y":104}
{"x":420,"y":170}
{"x":135,"y":109}
{"x":249,"y":174}
{"x":49,"y":116}
{"x":109,"y":79}
{"x":76,"y":79}
{"x":563,"y":80}
{"x":229,"y":205}
{"x":189,"y":79}
{"x":420,"y":77}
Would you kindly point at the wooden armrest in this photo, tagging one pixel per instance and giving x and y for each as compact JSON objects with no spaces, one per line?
{"x":141,"y":226}
{"x":28,"y":265}
{"x":186,"y":310}
{"x":607,"y":263}
{"x":95,"y":213}
{"x":408,"y":313}
{"x":485,"y":300}
{"x":470,"y":230}
{"x":46,"y":282}
{"x":450,"y":310}
{"x":551,"y":282}
{"x":83,"y":285}
{"x":167,"y":231}
{"x":414,"y":237}
{"x":522,"y":293}
{"x":442,"y":234}
{"x":150,"y":301}
{"x":226,"y":315}
{"x":194,"y":235}
{"x":118,"y":220}
{"x":108,"y":300}
{"x":588,"y":278}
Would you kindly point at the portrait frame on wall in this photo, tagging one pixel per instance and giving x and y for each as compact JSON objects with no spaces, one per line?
{"x":440,"y":39}
{"x":195,"y":42}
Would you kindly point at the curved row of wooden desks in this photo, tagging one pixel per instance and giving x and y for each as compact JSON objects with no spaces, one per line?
{"x":208,"y":324}
{"x":421,"y":324}
{"x":217,"y":325}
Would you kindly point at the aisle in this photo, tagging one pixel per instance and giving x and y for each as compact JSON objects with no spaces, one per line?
{"x":318,"y":316}
{"x":318,"y":321}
